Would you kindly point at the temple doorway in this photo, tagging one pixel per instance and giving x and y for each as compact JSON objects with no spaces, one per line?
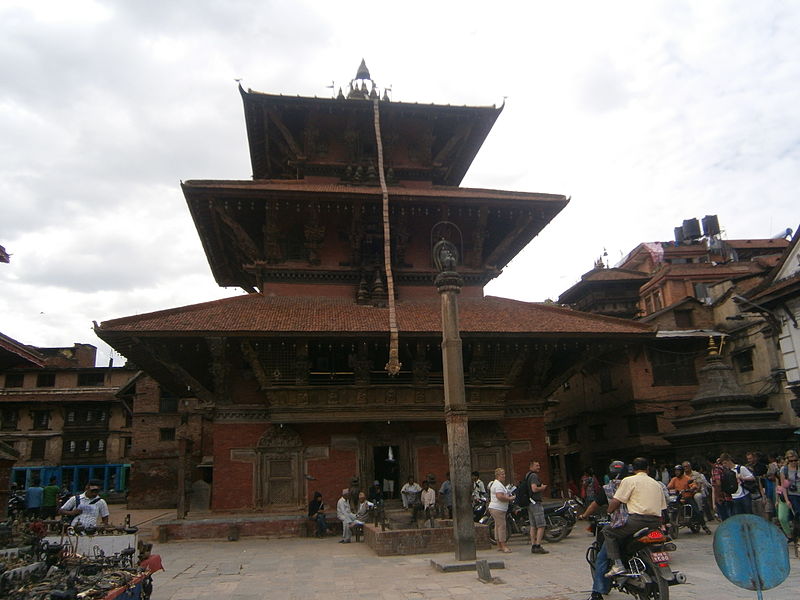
{"x":385,"y":459}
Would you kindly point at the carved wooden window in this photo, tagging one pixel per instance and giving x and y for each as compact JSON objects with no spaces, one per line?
{"x":280,"y":481}
{"x":672,"y":368}
{"x":743,"y":359}
{"x":46,"y":380}
{"x":91,"y":379}
{"x":15,"y":380}
{"x":38,"y":447}
{"x":279,"y":362}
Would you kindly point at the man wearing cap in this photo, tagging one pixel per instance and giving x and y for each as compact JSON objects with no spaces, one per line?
{"x":345,"y":515}
{"x":87,"y":506}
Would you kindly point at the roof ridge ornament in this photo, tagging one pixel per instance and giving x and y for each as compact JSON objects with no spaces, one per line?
{"x":359,"y":90}
{"x":363,"y":71}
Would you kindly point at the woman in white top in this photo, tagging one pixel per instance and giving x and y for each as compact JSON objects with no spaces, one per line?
{"x":498,"y":507}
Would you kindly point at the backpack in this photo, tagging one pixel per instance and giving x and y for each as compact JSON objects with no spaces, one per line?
{"x":523,"y":493}
{"x":750,"y":486}
{"x":728,"y":482}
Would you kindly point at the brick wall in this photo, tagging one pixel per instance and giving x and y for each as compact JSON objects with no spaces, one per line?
{"x":228,"y":436}
{"x":531,"y":430}
{"x":331,"y":475}
{"x":419,"y":541}
{"x":153,"y":483}
{"x":433,"y":459}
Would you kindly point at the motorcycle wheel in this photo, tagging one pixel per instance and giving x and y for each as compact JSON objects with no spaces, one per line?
{"x":673,"y":526}
{"x":659,"y":588}
{"x":489,"y":522}
{"x":694,"y":527}
{"x":556,"y":529}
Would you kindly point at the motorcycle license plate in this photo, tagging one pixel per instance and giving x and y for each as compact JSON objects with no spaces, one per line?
{"x":660,"y":557}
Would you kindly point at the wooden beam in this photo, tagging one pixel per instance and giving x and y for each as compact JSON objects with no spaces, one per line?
{"x":287,"y":135}
{"x":508,"y":240}
{"x":251,"y":356}
{"x":162,"y":355}
{"x":460,"y":133}
{"x":245,"y":241}
{"x":220,"y":366}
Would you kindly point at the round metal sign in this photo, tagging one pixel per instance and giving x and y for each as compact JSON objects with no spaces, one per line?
{"x":751,"y":552}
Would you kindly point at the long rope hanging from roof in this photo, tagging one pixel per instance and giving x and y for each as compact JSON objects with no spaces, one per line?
{"x":394,"y":364}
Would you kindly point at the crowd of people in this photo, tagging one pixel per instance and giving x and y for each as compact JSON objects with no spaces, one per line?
{"x":766,"y":486}
{"x":52,"y":500}
{"x":354,"y":506}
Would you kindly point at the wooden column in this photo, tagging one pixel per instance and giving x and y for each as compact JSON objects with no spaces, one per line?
{"x":448,"y":284}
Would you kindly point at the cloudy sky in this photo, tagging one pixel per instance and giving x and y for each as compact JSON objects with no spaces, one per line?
{"x":645,"y":113}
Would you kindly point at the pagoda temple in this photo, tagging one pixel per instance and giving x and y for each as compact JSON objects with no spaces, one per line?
{"x":330,"y":367}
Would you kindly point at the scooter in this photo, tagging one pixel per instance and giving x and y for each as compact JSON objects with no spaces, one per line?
{"x":646,"y":557}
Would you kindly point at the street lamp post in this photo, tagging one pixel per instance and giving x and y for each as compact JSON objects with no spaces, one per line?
{"x":448,"y":284}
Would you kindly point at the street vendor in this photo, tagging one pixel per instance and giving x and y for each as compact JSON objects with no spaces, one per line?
{"x":86,"y":507}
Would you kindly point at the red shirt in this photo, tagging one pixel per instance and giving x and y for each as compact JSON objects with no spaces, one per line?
{"x":716,"y":483}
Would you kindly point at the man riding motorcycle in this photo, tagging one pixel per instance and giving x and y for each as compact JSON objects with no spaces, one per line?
{"x":686,"y":488}
{"x":644,"y":499}
{"x":616,"y":471}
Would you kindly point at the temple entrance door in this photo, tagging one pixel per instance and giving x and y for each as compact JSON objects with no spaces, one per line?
{"x":278,"y":469}
{"x":486,"y":460}
{"x":279,"y":479}
{"x":386,"y":471}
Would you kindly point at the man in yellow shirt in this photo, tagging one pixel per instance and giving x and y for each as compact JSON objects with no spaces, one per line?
{"x":644,"y":497}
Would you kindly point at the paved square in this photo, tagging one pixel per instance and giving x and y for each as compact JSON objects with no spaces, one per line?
{"x":303,"y":569}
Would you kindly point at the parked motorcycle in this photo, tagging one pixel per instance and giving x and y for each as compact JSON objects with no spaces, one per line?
{"x":679,"y":514}
{"x":559,"y":520}
{"x":16,"y":504}
{"x":646,"y":557}
{"x":479,"y":509}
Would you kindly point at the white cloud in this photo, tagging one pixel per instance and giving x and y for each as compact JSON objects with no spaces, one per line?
{"x":646,"y":113}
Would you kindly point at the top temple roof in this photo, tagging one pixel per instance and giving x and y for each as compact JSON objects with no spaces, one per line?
{"x":291,"y":137}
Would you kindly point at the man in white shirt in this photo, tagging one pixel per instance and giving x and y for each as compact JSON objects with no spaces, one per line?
{"x":87,"y":507}
{"x":644,"y":499}
{"x":345,"y":514}
{"x":742,"y":501}
{"x":478,"y":488}
{"x":410,"y":493}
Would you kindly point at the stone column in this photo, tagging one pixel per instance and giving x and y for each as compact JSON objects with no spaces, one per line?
{"x":448,"y":284}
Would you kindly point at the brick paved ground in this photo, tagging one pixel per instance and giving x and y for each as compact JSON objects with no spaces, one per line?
{"x":305,"y":569}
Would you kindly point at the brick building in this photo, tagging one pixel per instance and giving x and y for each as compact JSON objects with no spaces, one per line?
{"x":305,"y":382}
{"x":60,"y":413}
{"x":625,"y":404}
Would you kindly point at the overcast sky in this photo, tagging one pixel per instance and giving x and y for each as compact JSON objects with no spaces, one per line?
{"x":645,"y":113}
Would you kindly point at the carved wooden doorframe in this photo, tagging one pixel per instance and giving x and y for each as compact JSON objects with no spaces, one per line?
{"x":279,"y":468}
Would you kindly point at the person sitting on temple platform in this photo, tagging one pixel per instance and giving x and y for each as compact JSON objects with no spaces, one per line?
{"x":375,"y":493}
{"x":345,"y":515}
{"x":364,"y":508}
{"x":428,"y":502}
{"x":410,"y":493}
{"x":316,"y":513}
